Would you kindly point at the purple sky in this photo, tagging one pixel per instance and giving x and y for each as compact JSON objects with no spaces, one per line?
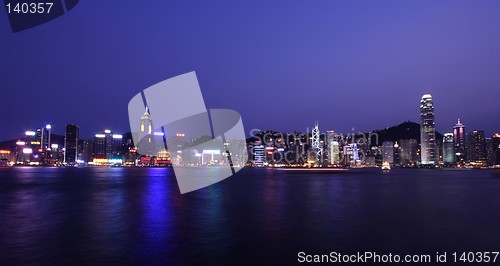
{"x":282,"y":65}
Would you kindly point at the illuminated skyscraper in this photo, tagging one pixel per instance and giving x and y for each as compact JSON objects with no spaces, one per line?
{"x":350,"y":154}
{"x":427,"y":131}
{"x":476,"y":147}
{"x":146,"y":125}
{"x":397,"y":154}
{"x":258,"y":153}
{"x":388,"y":151}
{"x":315,"y":145}
{"x":409,"y":149}
{"x":459,"y":142}
{"x":448,"y":149}
{"x":496,"y":148}
{"x":490,"y":152}
{"x":330,"y":137}
{"x":71,"y":144}
{"x":108,"y":145}
{"x":334,"y":152}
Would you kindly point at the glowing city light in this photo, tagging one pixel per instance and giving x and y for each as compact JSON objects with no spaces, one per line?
{"x":30,"y":133}
{"x":116,"y":136}
{"x":107,"y":131}
{"x":48,"y":126}
{"x":27,"y":151}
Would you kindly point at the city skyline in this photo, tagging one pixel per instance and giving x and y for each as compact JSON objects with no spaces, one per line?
{"x":58,"y":130}
{"x":361,"y":64}
{"x":316,"y":148}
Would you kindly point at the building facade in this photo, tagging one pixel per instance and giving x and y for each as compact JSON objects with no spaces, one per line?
{"x":459,"y":138}
{"x":476,"y":147}
{"x":71,"y":144}
{"x":448,"y":149}
{"x":428,"y":152}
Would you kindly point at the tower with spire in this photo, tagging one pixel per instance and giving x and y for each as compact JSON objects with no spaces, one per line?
{"x":146,"y":125}
{"x":459,"y":142}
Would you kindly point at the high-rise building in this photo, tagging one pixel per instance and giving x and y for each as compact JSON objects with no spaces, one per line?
{"x":496,"y":148}
{"x":329,"y":138}
{"x":397,"y":154}
{"x":448,"y":149}
{"x":258,"y":153}
{"x":459,"y":142}
{"x":85,"y":150}
{"x":490,"y":152}
{"x":350,"y":154}
{"x":71,"y":144}
{"x":146,"y":125}
{"x":408,"y":151}
{"x":388,"y":151}
{"x":316,"y":149}
{"x":108,"y":145}
{"x":427,"y":131}
{"x":476,"y":147}
{"x":334,"y":152}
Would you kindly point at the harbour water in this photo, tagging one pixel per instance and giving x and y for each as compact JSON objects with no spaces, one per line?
{"x":259,"y":216}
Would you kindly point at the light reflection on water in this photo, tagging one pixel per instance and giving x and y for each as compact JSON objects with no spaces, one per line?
{"x":137,"y":215}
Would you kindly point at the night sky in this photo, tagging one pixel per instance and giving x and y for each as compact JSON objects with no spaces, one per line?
{"x":282,"y":65}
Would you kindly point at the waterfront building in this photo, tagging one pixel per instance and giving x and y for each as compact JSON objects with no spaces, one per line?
{"x":315,"y":152}
{"x":427,"y":131}
{"x":397,"y":154}
{"x":334,"y":152}
{"x":476,"y":147}
{"x":490,"y":152}
{"x":388,"y":152}
{"x":146,"y":129}
{"x":258,"y":152}
{"x":85,"y":150}
{"x":496,"y":148}
{"x":108,"y":145}
{"x":459,"y":139}
{"x":350,"y":154}
{"x":71,"y":144}
{"x":408,"y":151}
{"x":448,"y":149}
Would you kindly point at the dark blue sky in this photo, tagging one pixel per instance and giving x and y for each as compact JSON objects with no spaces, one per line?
{"x":282,"y":65}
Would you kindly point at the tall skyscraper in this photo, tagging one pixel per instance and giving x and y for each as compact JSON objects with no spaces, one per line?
{"x":71,"y":144}
{"x":108,"y":145}
{"x":490,"y":151}
{"x":476,"y":147}
{"x":259,"y":156}
{"x":496,"y":148}
{"x":329,"y":138}
{"x":409,"y":149}
{"x":427,"y":131}
{"x":334,"y":152}
{"x":388,"y":151}
{"x":146,"y":125}
{"x":397,"y":154}
{"x":448,"y":149}
{"x":459,"y":142}
{"x":315,"y":145}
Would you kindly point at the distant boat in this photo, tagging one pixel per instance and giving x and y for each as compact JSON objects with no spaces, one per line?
{"x":386,"y":166}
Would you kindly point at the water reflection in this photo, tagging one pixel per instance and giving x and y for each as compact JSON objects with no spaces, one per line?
{"x":138,"y":216}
